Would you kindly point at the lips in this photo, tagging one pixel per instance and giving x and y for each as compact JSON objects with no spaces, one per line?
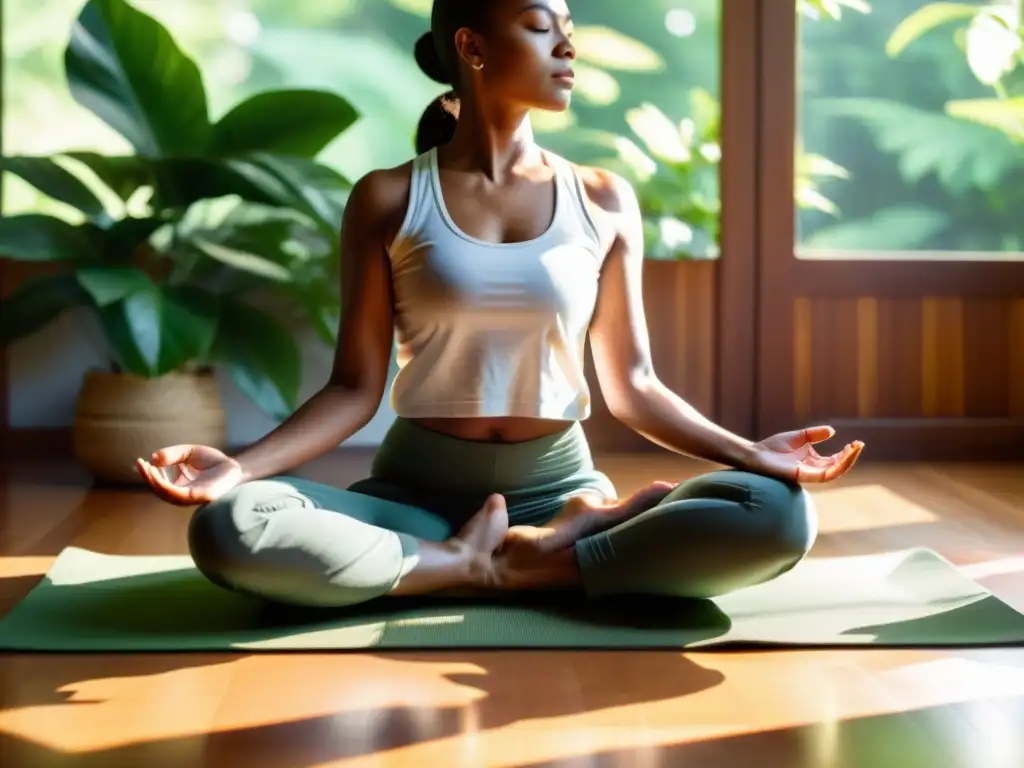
{"x":566,"y":74}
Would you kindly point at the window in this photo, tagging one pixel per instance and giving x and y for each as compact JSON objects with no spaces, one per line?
{"x":911,"y":131}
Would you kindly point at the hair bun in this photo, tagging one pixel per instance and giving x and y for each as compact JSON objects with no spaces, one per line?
{"x":428,"y":60}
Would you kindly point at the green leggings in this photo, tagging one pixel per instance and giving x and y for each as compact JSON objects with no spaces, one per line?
{"x":303,"y":543}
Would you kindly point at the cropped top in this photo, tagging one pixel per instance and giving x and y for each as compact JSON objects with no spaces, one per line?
{"x":493,"y":329}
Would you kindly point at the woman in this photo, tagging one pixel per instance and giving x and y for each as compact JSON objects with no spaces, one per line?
{"x":493,"y":260}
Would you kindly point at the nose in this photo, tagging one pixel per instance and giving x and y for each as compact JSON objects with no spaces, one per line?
{"x":566,"y":50}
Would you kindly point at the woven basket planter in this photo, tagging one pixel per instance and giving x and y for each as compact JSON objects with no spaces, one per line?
{"x":122,"y":417}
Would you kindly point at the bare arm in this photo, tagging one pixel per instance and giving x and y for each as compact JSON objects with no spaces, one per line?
{"x":359,"y":375}
{"x":621,"y":344}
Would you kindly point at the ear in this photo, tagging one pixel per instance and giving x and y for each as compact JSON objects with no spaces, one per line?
{"x":470,"y":47}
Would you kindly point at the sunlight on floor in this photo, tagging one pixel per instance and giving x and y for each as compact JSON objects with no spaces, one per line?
{"x":864,"y":507}
{"x":18,"y":567}
{"x":450,"y":713}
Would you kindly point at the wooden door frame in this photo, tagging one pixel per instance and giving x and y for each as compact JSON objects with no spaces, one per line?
{"x":738,"y":273}
{"x":780,"y":274}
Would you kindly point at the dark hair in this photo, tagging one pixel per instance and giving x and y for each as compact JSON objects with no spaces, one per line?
{"x":438,"y":57}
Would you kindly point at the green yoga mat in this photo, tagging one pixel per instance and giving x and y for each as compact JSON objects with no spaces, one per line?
{"x":97,"y":602}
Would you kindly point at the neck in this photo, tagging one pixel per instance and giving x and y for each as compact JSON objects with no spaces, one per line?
{"x":492,"y":140}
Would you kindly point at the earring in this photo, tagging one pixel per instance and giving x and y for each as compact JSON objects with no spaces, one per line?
{"x":479,"y":66}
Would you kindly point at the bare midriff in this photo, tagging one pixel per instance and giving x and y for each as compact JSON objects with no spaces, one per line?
{"x":509,"y":429}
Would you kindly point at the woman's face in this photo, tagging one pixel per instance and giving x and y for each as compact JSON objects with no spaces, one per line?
{"x":527,"y":54}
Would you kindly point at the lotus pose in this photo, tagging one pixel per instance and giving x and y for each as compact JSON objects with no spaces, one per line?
{"x":491,"y":261}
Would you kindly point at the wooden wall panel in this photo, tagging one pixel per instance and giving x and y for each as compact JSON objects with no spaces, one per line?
{"x":834,"y":365}
{"x":867,"y":358}
{"x":681,"y":307}
{"x":899,"y":362}
{"x":986,"y":358}
{"x":928,"y":358}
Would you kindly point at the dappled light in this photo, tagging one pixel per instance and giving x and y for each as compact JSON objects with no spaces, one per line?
{"x":448,"y":712}
{"x":864,"y":507}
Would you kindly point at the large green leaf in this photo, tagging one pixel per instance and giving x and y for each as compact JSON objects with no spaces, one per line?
{"x":900,"y":228}
{"x":261,"y":356}
{"x":36,"y":237}
{"x":300,"y":184}
{"x":244,"y":261}
{"x":108,"y":285}
{"x":124,"y":237}
{"x":57,"y":182}
{"x":37,"y":302}
{"x":124,"y":175}
{"x":924,"y":20}
{"x":1006,"y":115}
{"x":188,"y":326}
{"x":293,"y":122}
{"x":125,"y":67}
{"x":267,"y":243}
{"x":297,"y":183}
{"x":122,"y":344}
{"x":962,"y":155}
{"x":154,"y":331}
{"x":179,"y":182}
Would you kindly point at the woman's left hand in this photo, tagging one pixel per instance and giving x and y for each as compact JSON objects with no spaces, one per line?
{"x":791,"y":456}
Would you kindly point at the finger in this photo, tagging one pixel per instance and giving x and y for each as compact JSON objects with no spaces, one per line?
{"x":818,"y":434}
{"x":165,"y":489}
{"x":175,"y":454}
{"x":152,"y":480}
{"x":159,"y":482}
{"x":856,"y":449}
{"x":837,"y":466}
{"x":799,"y":438}
{"x":845,"y":461}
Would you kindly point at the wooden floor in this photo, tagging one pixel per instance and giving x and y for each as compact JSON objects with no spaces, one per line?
{"x":862,"y":708}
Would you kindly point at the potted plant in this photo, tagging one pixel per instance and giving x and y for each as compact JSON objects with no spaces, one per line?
{"x":197,"y":252}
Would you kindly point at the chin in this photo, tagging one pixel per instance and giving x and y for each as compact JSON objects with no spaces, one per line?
{"x":557,"y":101}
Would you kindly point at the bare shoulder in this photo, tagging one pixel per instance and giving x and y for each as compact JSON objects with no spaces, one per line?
{"x":607,"y":191}
{"x":612,"y":203}
{"x":379,"y":199}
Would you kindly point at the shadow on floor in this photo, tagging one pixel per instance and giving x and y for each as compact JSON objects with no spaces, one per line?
{"x":557,"y":685}
{"x":948,"y":735}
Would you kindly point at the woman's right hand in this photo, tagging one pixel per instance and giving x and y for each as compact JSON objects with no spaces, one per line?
{"x":188,"y":475}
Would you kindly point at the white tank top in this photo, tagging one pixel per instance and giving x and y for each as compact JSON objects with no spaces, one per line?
{"x":493,"y":329}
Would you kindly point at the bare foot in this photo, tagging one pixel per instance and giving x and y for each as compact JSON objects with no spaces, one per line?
{"x":523,"y":556}
{"x":537,"y":557}
{"x":588,"y":514}
{"x":479,"y":538}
